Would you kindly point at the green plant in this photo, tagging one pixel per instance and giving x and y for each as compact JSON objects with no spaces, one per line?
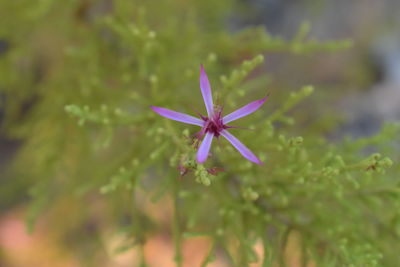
{"x":78,"y":94}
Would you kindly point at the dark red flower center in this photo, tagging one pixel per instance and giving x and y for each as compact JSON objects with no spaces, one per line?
{"x":214,"y":124}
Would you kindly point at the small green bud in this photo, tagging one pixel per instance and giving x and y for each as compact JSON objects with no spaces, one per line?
{"x":220,"y":232}
{"x":104,"y":108}
{"x":386,"y":162}
{"x":289,"y":120}
{"x":186,"y":132}
{"x":247,"y":165}
{"x":173,"y":161}
{"x":307,"y":90}
{"x":300,"y":180}
{"x":153,"y":155}
{"x":267,"y":217}
{"x":135,"y":162}
{"x":340,"y":161}
{"x":205,"y":180}
{"x":240,"y":92}
{"x":152,"y":34}
{"x":253,"y":195}
{"x":222,"y":212}
{"x":250,"y":194}
{"x":247,"y":64}
{"x":212,"y":57}
{"x":68,"y":108}
{"x":134,"y":30}
{"x":259,"y":59}
{"x":117,"y":111}
{"x":376,"y":156}
{"x":153,"y":79}
{"x":223,"y":79}
{"x":107,"y":189}
{"x":134,"y":95}
{"x":160,"y":130}
{"x":295,"y":141}
{"x":190,"y":163}
{"x":184,"y":194}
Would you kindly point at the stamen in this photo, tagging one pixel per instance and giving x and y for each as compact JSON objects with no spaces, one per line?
{"x":215,"y":124}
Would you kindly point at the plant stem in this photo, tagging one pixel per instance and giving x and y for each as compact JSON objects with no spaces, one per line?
{"x":176,"y":225}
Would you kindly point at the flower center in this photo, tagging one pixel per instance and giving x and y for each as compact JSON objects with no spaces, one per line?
{"x":214,"y":124}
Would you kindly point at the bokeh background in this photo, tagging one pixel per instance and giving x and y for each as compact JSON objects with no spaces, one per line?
{"x":358,"y":90}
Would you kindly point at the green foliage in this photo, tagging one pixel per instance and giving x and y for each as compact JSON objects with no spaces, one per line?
{"x":89,"y":78}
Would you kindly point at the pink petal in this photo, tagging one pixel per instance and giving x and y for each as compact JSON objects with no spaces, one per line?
{"x":177,"y":116}
{"x":206,"y":91}
{"x":244,"y":111}
{"x":240,"y":147}
{"x":204,"y":148}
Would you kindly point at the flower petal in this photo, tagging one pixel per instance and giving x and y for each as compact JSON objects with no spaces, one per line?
{"x":206,"y":91}
{"x":244,"y":111}
{"x":240,"y":147}
{"x":204,"y":148}
{"x":177,"y":116}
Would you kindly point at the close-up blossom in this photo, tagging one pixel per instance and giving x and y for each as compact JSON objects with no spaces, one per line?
{"x":214,"y":124}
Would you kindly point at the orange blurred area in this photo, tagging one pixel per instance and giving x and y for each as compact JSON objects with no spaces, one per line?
{"x":20,"y":249}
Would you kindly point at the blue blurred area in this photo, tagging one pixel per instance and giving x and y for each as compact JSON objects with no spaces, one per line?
{"x":374,"y":26}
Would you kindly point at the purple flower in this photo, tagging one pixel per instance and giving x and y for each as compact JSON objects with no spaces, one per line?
{"x":214,"y":125}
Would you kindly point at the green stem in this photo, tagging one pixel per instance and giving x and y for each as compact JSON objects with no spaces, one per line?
{"x":266,"y":259}
{"x":176,"y":225}
{"x":209,"y":256}
{"x":142,"y":257}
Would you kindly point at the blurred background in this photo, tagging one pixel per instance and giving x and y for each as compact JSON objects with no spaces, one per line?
{"x":359,"y":85}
